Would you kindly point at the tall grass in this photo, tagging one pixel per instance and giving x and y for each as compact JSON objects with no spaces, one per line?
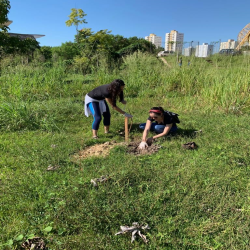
{"x":212,"y":84}
{"x":218,"y":83}
{"x":24,"y":82}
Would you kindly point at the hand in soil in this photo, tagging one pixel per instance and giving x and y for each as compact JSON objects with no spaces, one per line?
{"x":143,"y":145}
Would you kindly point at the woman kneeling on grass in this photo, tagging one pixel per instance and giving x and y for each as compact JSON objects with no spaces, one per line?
{"x":96,"y":104}
{"x":159,"y":121}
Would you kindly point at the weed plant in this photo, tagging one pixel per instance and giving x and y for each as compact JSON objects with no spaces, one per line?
{"x":190,"y":199}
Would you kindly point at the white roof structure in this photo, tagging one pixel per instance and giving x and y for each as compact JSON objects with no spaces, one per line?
{"x":8,"y":23}
{"x":22,"y":36}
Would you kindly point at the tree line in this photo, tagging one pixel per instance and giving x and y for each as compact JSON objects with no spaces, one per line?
{"x":88,"y":49}
{"x":12,"y":45}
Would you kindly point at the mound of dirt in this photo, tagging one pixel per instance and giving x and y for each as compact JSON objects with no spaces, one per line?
{"x":133,"y":148}
{"x":35,"y":243}
{"x":102,"y":150}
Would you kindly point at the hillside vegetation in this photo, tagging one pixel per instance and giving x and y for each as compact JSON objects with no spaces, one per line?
{"x":190,"y":199}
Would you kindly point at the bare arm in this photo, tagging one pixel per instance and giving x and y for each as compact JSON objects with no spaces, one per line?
{"x":146,"y":130}
{"x":115,"y":108}
{"x":165,"y":131}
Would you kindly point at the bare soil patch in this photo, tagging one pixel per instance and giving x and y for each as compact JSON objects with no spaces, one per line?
{"x":99,"y":150}
{"x":133,"y":148}
{"x":102,"y":150}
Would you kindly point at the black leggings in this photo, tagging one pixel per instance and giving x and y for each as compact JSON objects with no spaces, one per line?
{"x":95,"y":111}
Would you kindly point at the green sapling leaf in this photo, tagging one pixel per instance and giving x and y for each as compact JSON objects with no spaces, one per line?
{"x":9,"y":243}
{"x":47,"y":229}
{"x":19,"y":237}
{"x":31,"y":236}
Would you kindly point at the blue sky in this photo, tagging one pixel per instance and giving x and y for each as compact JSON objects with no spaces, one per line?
{"x":203,"y":21}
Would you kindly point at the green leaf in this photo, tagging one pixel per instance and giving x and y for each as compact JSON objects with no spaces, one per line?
{"x":61,"y":231}
{"x":19,"y":237}
{"x":9,"y":243}
{"x":47,"y":229}
{"x":31,"y":236}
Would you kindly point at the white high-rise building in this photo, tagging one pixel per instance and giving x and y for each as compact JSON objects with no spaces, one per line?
{"x":174,"y":41}
{"x":204,"y":50}
{"x":189,"y":51}
{"x":156,"y":40}
{"x":230,"y":44}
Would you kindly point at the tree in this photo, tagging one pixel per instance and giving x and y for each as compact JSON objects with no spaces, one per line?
{"x":66,"y":51}
{"x":4,"y":10}
{"x":76,"y":17}
{"x":139,"y":44}
{"x":14,"y":45}
{"x":83,"y":34}
{"x":103,"y":46}
{"x":46,"y":51}
{"x":92,"y":46}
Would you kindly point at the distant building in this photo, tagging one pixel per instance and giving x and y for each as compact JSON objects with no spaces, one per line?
{"x":156,"y":40}
{"x":174,"y":41}
{"x":230,"y":44}
{"x":189,"y":51}
{"x":204,"y":50}
{"x":22,"y":36}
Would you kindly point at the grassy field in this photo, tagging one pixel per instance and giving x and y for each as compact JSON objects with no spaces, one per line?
{"x":190,"y":199}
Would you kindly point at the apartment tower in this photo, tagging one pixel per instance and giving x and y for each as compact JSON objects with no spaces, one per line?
{"x":230,"y":44}
{"x":156,"y":40}
{"x":174,"y":41}
{"x":204,"y":50}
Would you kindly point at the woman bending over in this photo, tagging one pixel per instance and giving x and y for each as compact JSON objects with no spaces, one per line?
{"x":96,"y":104}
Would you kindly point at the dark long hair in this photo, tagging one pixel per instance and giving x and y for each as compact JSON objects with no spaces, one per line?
{"x":115,"y":90}
{"x":157,"y":109}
